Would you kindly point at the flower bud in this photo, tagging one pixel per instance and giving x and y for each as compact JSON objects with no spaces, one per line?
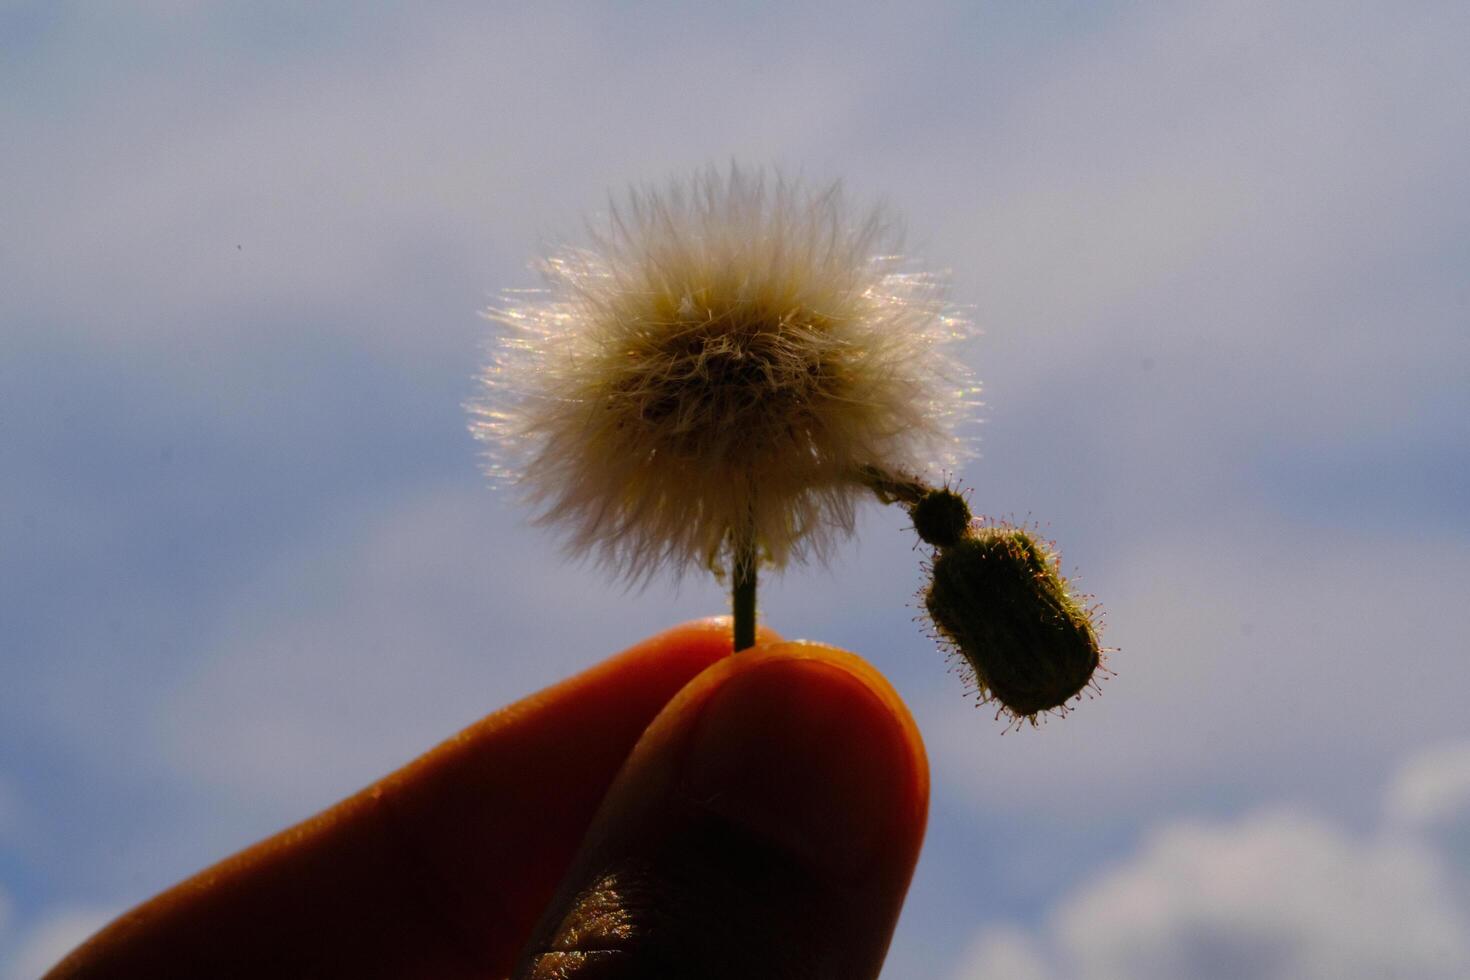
{"x":998,"y":598}
{"x":941,"y":517}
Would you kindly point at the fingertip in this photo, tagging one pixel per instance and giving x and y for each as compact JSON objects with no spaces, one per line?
{"x":771,"y":815}
{"x":681,"y":651}
{"x":878,"y":686}
{"x":812,"y":743}
{"x":822,"y":716}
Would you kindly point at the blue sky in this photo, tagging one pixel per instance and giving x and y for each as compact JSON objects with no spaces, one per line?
{"x":1217,"y":255}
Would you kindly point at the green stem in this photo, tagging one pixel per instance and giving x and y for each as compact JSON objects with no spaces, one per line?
{"x":889,"y":487}
{"x":743,"y":593}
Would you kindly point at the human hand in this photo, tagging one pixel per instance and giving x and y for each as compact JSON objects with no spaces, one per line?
{"x":672,"y":812}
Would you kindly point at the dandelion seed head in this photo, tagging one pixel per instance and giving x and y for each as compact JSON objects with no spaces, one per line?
{"x":723,"y":358}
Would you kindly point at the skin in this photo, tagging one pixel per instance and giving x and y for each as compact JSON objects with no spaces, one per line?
{"x":673,"y":811}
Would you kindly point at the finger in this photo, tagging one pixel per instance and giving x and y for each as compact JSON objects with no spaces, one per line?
{"x":437,"y":870}
{"x":498,"y":811}
{"x":767,"y":825}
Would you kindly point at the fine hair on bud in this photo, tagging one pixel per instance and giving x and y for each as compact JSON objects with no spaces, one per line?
{"x":999,"y":601}
{"x":714,"y":367}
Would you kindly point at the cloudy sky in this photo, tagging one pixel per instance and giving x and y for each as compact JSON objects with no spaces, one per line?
{"x":1218,"y":254}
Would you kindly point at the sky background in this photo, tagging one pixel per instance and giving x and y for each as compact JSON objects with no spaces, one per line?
{"x":1218,"y":256}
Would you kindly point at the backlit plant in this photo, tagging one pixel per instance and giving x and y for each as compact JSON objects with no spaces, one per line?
{"x":720,"y":377}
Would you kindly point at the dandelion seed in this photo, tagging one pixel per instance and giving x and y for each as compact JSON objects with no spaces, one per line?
{"x":703,"y":383}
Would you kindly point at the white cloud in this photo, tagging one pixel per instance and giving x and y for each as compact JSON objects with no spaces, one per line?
{"x":1004,"y":952}
{"x":1430,"y":798}
{"x":1278,"y":895}
{"x":52,"y":936}
{"x":1433,"y":789}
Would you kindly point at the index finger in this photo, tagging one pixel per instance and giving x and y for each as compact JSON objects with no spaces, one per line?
{"x":439,"y":869}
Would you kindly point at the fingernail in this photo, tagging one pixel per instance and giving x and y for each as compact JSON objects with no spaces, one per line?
{"x":802,"y":752}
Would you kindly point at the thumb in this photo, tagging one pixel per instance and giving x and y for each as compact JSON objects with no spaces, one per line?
{"x":766,"y":824}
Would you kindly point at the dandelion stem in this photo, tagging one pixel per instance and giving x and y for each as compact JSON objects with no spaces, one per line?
{"x":743,"y":592}
{"x":890,"y":487}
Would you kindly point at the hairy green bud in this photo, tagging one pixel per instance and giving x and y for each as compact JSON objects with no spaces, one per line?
{"x":941,"y":517}
{"x":1000,"y":601}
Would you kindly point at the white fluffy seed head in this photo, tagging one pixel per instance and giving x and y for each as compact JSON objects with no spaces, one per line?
{"x":720,"y":363}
